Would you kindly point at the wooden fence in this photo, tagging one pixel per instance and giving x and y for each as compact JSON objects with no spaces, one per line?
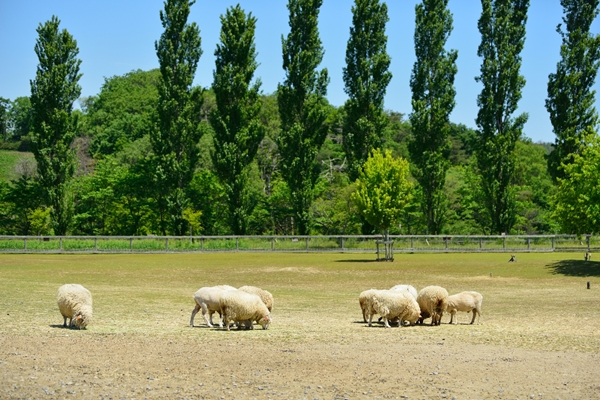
{"x":337,"y":243}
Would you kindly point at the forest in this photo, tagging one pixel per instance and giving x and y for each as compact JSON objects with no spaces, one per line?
{"x":151,"y":154}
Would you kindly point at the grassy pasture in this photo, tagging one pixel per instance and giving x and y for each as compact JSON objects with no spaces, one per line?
{"x":540,"y":302}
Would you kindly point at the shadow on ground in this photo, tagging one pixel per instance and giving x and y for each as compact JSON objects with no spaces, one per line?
{"x":575,"y":268}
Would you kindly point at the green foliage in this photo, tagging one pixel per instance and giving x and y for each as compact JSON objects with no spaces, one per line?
{"x":4,"y":110}
{"x":302,"y":107}
{"x":53,"y":92}
{"x":383,"y":189}
{"x":20,"y":118}
{"x":502,"y":28}
{"x":333,"y":210}
{"x":570,"y":95}
{"x":208,"y":197}
{"x":175,"y":142}
{"x":125,"y":110}
{"x":577,"y":198}
{"x":432,"y":84}
{"x":366,"y":77}
{"x":236,"y":118}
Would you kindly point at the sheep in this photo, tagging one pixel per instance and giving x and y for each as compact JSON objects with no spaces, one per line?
{"x":264,"y":295}
{"x":365,"y":301}
{"x":246,"y":308}
{"x":407,"y":288}
{"x":75,"y":302}
{"x":464,"y":301}
{"x":432,"y":301}
{"x":208,"y":299}
{"x":396,"y":306}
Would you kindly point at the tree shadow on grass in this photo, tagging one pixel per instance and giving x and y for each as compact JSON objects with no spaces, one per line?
{"x":575,"y":268}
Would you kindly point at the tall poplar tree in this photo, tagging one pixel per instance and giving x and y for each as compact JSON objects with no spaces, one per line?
{"x":53,"y":92}
{"x":570,"y":96}
{"x":302,"y":107}
{"x":235,"y":120}
{"x":366,"y":76}
{"x":502,"y":28}
{"x":175,"y":142}
{"x":432,"y":84}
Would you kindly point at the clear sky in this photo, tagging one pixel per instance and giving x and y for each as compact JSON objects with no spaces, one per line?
{"x":117,"y":36}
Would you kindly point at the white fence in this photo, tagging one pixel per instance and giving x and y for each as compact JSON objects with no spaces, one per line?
{"x":338,"y":243}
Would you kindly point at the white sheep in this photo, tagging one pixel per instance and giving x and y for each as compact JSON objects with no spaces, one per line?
{"x":400,"y":306}
{"x":408,"y":288}
{"x":464,"y":301}
{"x":245,"y":308}
{"x":365,"y":299}
{"x":75,"y":303}
{"x":432,"y":301}
{"x":264,"y":295}
{"x":208,"y":299}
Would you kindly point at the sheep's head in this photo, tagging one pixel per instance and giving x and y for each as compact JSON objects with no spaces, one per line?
{"x":81,"y":320}
{"x":265,"y":321}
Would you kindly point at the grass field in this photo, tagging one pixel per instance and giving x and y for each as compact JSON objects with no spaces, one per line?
{"x":8,"y":160}
{"x":540,"y":302}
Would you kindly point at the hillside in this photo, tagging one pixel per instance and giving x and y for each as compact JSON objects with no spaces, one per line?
{"x":11,"y":162}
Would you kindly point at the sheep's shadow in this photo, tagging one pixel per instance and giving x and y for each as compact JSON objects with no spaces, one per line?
{"x":575,"y":268}
{"x":357,"y":261}
{"x":71,"y":328}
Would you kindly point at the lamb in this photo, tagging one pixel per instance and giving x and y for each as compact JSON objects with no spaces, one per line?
{"x":365,"y":300}
{"x":75,"y":302}
{"x":246,"y":308}
{"x":432,"y":301}
{"x":208,"y":299}
{"x":264,"y":295}
{"x":464,"y":301}
{"x":396,"y":305}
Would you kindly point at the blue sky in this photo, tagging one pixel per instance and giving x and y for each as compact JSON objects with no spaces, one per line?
{"x":115,"y":37}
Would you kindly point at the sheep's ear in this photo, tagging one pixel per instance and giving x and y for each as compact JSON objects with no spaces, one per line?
{"x":78,"y":317}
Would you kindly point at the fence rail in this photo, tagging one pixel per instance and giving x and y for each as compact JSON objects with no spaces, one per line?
{"x":337,"y":243}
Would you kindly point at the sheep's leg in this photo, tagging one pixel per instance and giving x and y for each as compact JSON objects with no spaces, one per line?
{"x":194,"y":312}
{"x":451,"y":318}
{"x":64,"y":321}
{"x":370,"y":319}
{"x":385,"y":322}
{"x":204,"y":312}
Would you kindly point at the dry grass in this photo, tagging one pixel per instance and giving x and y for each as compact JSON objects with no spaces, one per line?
{"x":540,"y":302}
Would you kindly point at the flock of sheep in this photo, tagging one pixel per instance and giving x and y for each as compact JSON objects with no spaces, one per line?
{"x":403,"y":305}
{"x":243,"y":306}
{"x":247,"y":305}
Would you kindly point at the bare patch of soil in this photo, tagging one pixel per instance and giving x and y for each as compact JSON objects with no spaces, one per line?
{"x":220,"y":364}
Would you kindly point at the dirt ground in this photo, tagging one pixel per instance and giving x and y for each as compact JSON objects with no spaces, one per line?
{"x":238,"y":365}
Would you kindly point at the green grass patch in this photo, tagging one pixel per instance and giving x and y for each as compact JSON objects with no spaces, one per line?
{"x":8,"y":161}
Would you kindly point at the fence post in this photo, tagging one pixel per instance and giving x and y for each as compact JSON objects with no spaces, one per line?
{"x":130,"y":244}
{"x":342,"y":242}
{"x":552,"y":243}
{"x":237,"y":245}
{"x":306,"y":241}
{"x":446,"y":242}
{"x":588,"y":242}
{"x":504,"y":243}
{"x":60,"y":244}
{"x":528,"y":243}
{"x":272,"y":243}
{"x":480,"y":244}
{"x":25,"y":244}
{"x":167,"y":244}
{"x":202,"y":244}
{"x":95,"y":244}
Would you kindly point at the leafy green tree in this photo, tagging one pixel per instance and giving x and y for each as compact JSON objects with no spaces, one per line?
{"x":4,"y":115}
{"x":53,"y":92}
{"x":502,"y":28}
{"x":302,"y":107}
{"x":175,"y":143}
{"x":366,"y":77}
{"x":125,"y":110}
{"x":577,"y":198}
{"x":236,"y":119}
{"x":432,"y":84}
{"x":383,"y":189}
{"x":570,"y":95}
{"x":20,"y":117}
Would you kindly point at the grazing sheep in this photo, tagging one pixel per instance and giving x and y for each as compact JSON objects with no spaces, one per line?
{"x":464,"y":301}
{"x":246,"y":308}
{"x":407,"y":288}
{"x":366,"y":304}
{"x":75,"y":302}
{"x":399,"y":306}
{"x":208,"y":299}
{"x":264,"y":295}
{"x":432,"y":301}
